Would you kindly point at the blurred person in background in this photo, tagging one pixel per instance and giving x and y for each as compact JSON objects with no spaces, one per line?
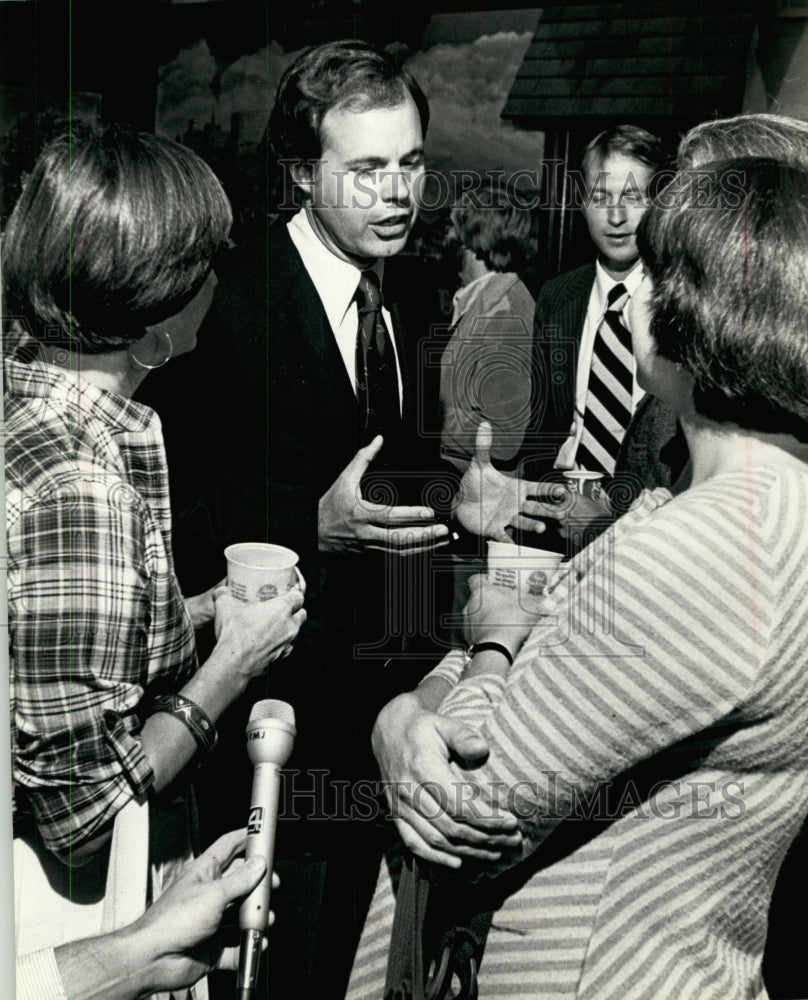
{"x":586,"y":382}
{"x":653,"y":450}
{"x":486,"y":366}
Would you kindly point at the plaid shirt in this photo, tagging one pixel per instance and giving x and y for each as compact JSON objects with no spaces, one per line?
{"x":96,"y":617}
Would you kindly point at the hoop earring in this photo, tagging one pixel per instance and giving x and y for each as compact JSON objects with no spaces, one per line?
{"x":142,"y":364}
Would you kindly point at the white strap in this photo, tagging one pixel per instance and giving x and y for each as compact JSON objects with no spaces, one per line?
{"x":128,"y":873}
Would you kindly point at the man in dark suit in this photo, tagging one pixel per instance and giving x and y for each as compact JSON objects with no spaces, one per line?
{"x":618,"y":166}
{"x":318,"y":335}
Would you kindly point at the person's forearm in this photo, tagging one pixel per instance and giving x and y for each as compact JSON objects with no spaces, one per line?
{"x":473,"y":702}
{"x":168,"y":745}
{"x":441,"y":679}
{"x":487,"y":662}
{"x":431,"y":692}
{"x":167,"y":741}
{"x":123,"y":965}
{"x":109,"y":967}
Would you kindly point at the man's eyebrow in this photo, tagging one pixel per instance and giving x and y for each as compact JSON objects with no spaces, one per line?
{"x":366,"y":161}
{"x":379,"y":162}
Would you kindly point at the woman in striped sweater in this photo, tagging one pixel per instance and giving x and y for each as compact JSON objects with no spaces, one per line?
{"x":632,"y":781}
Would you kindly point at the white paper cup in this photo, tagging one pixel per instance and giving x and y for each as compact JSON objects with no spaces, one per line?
{"x":259,"y":571}
{"x":521,"y":567}
{"x":587,"y":484}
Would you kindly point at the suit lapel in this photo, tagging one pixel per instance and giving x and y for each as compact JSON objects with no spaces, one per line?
{"x":569,"y":317}
{"x":305,"y":352}
{"x":309,"y":351}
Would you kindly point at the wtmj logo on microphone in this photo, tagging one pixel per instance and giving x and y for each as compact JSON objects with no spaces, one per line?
{"x":255,"y":824}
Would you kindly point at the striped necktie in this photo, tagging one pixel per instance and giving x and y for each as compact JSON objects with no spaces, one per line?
{"x":376,"y":372}
{"x":609,"y":395}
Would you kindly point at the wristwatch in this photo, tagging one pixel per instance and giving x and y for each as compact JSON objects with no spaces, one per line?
{"x":478,"y":647}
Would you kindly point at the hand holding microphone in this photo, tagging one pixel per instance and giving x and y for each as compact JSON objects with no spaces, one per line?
{"x":270,"y":738}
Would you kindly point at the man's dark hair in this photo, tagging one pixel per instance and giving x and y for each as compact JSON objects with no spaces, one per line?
{"x":727,"y":249}
{"x":627,"y":140}
{"x":345,"y":74}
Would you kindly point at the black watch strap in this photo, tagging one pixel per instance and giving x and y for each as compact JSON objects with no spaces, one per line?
{"x":478,"y":647}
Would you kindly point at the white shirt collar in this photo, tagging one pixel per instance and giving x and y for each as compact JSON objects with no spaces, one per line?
{"x":335,"y":279}
{"x":604,"y":283}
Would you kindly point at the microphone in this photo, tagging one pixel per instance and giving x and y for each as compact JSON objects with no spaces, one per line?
{"x":270,"y":737}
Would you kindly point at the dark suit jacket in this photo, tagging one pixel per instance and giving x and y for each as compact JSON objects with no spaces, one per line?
{"x":559,"y":321}
{"x":295,"y":423}
{"x":653,"y":452}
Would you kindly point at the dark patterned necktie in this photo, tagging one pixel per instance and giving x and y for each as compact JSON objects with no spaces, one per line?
{"x":376,"y":373}
{"x":609,"y":395}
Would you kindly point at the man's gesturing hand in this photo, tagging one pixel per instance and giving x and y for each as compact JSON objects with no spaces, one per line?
{"x":488,"y":501}
{"x":349,"y":523}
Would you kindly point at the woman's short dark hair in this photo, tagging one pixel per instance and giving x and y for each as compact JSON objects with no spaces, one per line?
{"x":345,"y":74}
{"x":114,"y":231}
{"x":494,"y":227}
{"x":727,"y":248}
{"x":776,"y":136}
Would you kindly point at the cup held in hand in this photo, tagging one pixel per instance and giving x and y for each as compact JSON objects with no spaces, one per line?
{"x":259,"y":571}
{"x":584,"y":483}
{"x":522,"y":568}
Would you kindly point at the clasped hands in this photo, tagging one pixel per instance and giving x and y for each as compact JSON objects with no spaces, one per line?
{"x":425,"y":757}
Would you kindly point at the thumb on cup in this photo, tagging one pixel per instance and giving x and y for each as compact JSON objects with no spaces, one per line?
{"x":482,"y":443}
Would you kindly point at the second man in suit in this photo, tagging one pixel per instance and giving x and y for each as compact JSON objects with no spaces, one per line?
{"x":591,"y":391}
{"x":587,"y":391}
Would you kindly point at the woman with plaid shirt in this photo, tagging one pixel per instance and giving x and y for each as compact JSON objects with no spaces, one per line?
{"x":107,"y":268}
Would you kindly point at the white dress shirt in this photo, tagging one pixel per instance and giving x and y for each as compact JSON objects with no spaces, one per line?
{"x":336,"y":281}
{"x":595,"y":312}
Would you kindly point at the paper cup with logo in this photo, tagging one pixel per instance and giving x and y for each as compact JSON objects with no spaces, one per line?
{"x":523,"y":568}
{"x":586,"y":484}
{"x":259,"y":571}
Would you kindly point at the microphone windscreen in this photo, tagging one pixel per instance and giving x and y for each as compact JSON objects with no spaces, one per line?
{"x":272,"y":708}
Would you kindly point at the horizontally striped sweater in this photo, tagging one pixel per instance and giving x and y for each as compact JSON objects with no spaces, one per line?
{"x":656,"y":724}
